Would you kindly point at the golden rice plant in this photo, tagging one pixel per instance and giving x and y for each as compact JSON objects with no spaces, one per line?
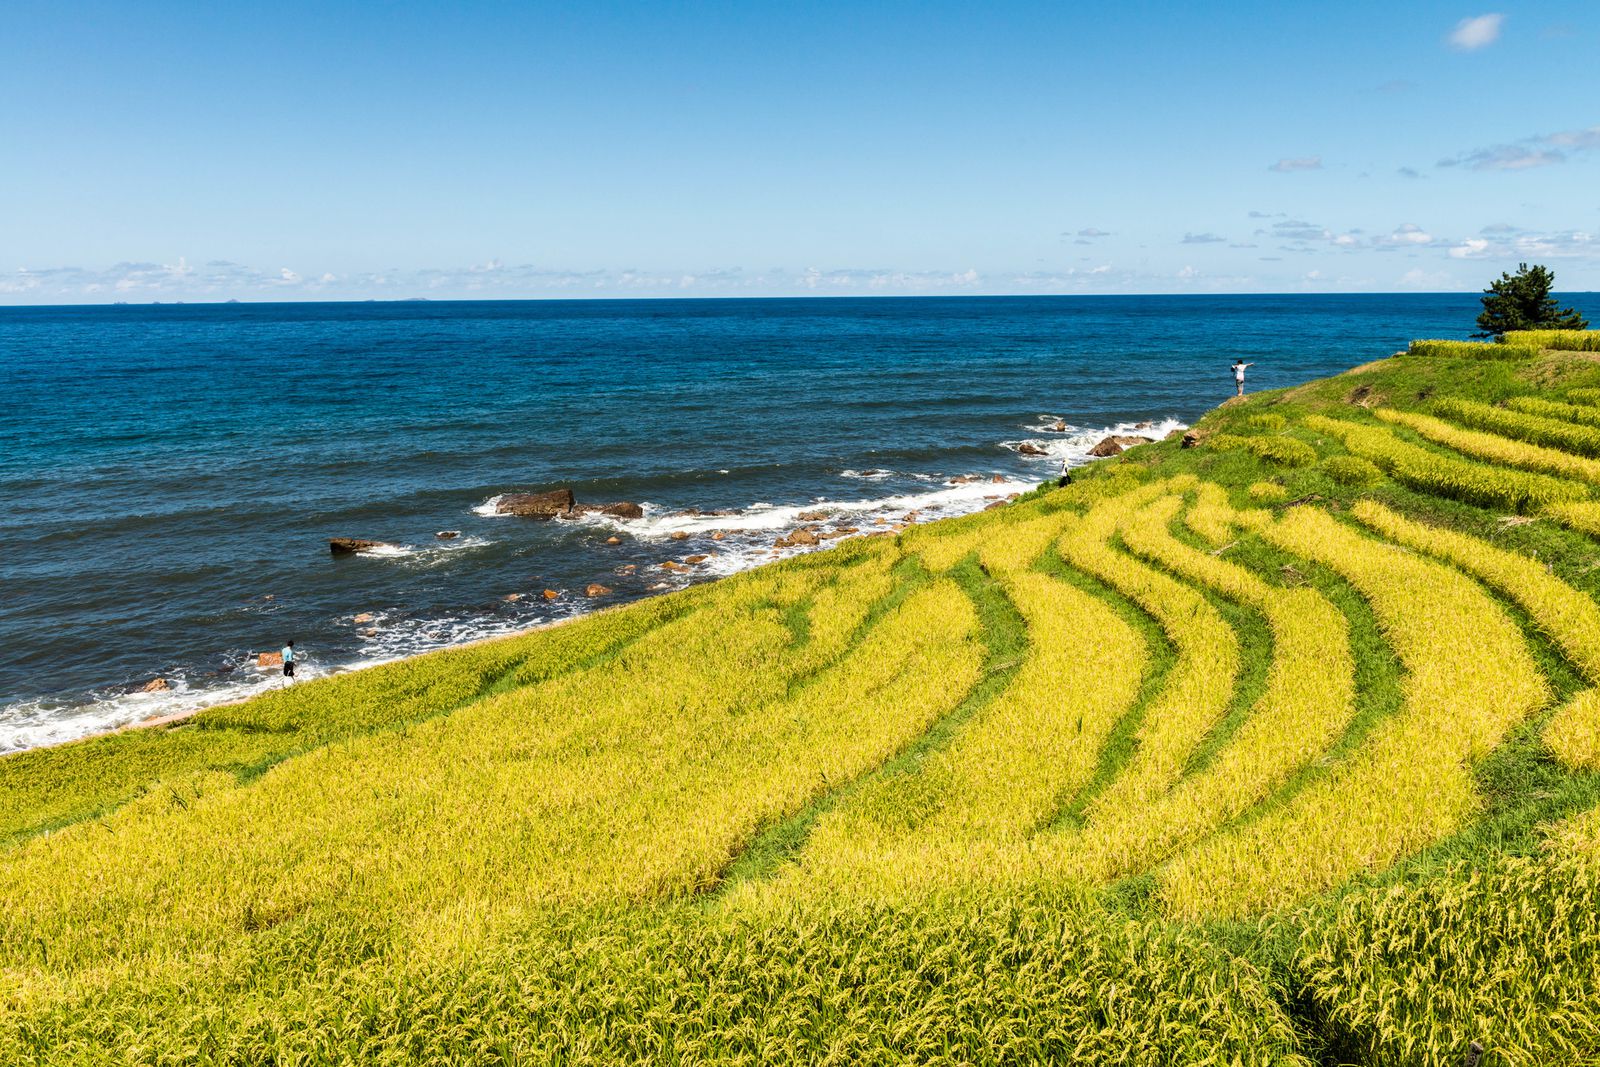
{"x":948,"y":821}
{"x":1512,"y":454}
{"x":1568,"y":616}
{"x":1583,"y":396}
{"x":1507,"y":956}
{"x":1308,"y":700}
{"x":606,"y":789}
{"x":1522,"y":426}
{"x":1561,"y":340}
{"x":1442,"y":475}
{"x":1194,"y":698}
{"x":53,"y":786}
{"x":1580,"y":515}
{"x":972,"y":979}
{"x":1469,"y":678}
{"x":1585,"y":414}
{"x":1211,"y":516}
{"x":1267,"y":492}
{"x":1472,"y":349}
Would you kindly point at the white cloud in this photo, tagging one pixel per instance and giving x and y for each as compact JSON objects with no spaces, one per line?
{"x":1471,"y":248}
{"x":1409,"y":234}
{"x":1477,"y":32}
{"x":1288,"y":166}
{"x":1202,"y":239}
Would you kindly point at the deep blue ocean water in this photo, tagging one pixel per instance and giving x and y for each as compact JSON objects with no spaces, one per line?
{"x":170,"y":474}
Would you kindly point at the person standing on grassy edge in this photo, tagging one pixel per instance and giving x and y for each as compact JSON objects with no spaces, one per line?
{"x":288,"y":662}
{"x":1238,"y":374}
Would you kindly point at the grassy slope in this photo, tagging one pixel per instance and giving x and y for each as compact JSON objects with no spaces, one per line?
{"x":565,"y":835}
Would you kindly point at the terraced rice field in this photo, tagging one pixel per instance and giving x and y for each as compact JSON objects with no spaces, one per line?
{"x":1284,"y":748}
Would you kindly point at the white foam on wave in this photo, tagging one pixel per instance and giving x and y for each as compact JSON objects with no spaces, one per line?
{"x":747,"y":542}
{"x":490,"y":509}
{"x":1070,"y":448}
{"x":50,"y":721}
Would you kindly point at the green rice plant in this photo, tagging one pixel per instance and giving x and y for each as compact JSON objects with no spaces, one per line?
{"x":1506,"y":955}
{"x":1560,"y":340}
{"x":1568,"y":616}
{"x":1308,"y":700}
{"x":1521,"y":426}
{"x":1287,"y":451}
{"x":1267,"y":492}
{"x":1352,"y":471}
{"x":1586,"y":414}
{"x":1583,"y":396}
{"x":1472,"y":349}
{"x":1469,"y":678}
{"x":950,"y":820}
{"x":1265,"y":422}
{"x":1442,"y":475}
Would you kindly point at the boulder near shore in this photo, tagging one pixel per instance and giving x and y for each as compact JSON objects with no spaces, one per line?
{"x":561,"y":504}
{"x":1113,"y":445}
{"x":349,"y":546}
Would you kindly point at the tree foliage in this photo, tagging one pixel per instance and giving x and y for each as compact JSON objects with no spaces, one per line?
{"x":1522,"y":301}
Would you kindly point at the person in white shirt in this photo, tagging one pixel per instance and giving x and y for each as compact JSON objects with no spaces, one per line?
{"x":1238,"y":374}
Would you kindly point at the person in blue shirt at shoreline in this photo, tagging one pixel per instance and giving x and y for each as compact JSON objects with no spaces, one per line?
{"x":288,"y":661}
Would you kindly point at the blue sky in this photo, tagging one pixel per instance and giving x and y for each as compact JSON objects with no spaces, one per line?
{"x":165,"y":151}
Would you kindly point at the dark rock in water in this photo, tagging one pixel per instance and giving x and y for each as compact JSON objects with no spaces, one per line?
{"x":349,"y":546}
{"x":1114,"y":444}
{"x":447,"y":535}
{"x":1028,"y":448}
{"x":536,"y":505}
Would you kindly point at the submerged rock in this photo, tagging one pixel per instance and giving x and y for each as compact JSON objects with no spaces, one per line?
{"x":1028,"y":448}
{"x":155,"y":685}
{"x":349,"y":546}
{"x":596,"y":589}
{"x":447,"y":535}
{"x":546,"y":505}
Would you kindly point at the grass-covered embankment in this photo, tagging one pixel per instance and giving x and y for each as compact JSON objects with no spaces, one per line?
{"x":1280,"y":748}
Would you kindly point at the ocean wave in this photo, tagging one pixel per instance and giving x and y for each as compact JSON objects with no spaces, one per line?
{"x":1071,"y":447}
{"x":728,"y":542}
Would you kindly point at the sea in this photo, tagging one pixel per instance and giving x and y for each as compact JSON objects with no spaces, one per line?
{"x":170,"y":475}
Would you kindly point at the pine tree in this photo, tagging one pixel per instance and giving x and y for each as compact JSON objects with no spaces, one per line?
{"x":1522,"y":301}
